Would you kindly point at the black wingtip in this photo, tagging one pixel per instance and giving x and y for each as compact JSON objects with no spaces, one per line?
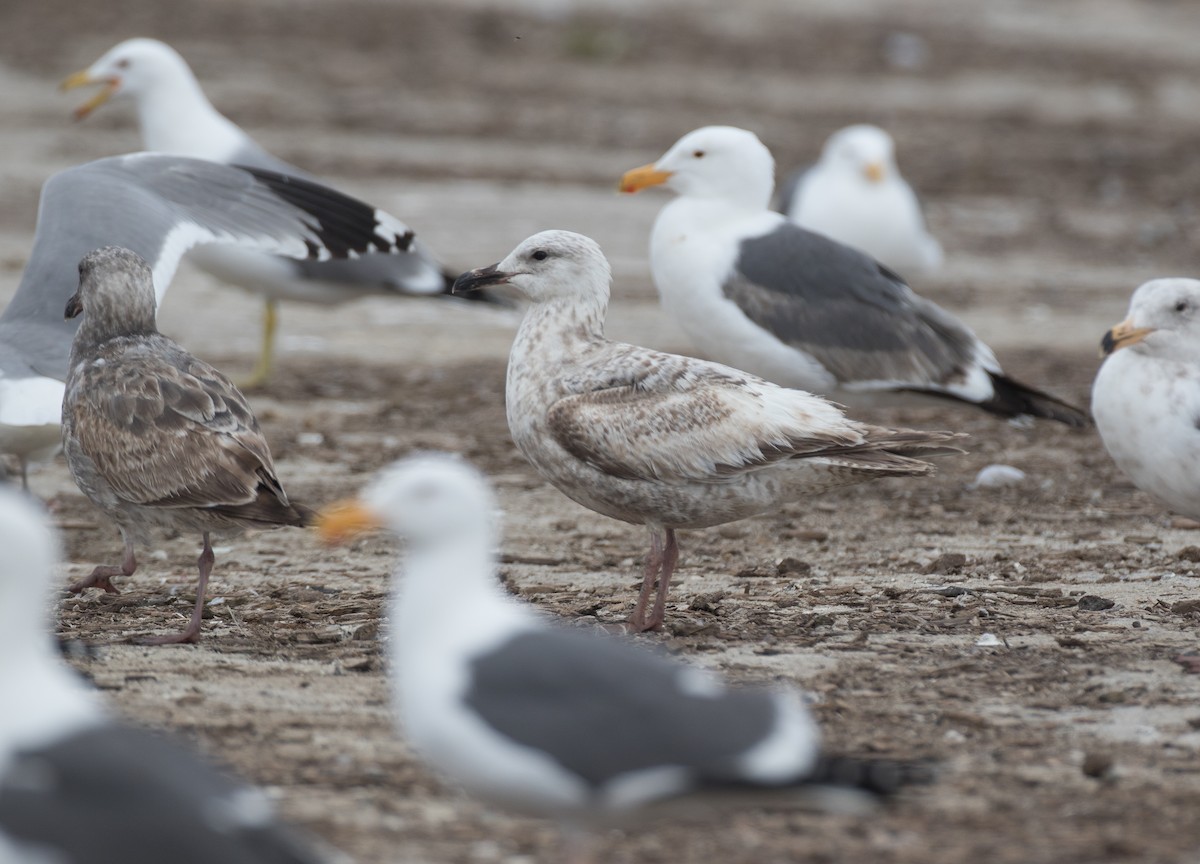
{"x":881,"y":777}
{"x":1013,"y":399}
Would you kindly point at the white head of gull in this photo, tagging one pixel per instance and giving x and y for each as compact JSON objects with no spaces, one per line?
{"x":155,"y":437}
{"x":754,"y":290}
{"x":559,"y":721}
{"x":1146,"y":397}
{"x":77,"y":785}
{"x":856,"y":195}
{"x":659,"y":439}
{"x":176,"y":117}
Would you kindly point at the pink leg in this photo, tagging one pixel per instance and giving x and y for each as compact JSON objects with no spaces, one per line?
{"x":654,"y":560}
{"x":192,"y":632}
{"x":669,"y":558}
{"x":101,"y":577}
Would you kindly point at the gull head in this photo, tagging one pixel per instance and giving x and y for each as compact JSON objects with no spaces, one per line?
{"x":862,"y":151}
{"x":721,"y":162}
{"x":115,"y":295}
{"x":551,"y":265}
{"x":425,"y":499}
{"x":1164,"y":319}
{"x":132,"y":68}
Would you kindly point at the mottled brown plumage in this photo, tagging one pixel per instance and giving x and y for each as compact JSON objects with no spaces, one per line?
{"x":659,"y":439}
{"x":154,"y":436}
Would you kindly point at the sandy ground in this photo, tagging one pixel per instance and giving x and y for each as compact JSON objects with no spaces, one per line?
{"x":1054,"y":147}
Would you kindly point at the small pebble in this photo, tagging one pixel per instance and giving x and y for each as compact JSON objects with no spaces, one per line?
{"x":995,"y":476}
{"x":988,"y":640}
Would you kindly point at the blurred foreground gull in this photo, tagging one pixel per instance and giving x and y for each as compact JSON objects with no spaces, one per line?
{"x":176,"y":117}
{"x":155,"y":437}
{"x":76,"y":785}
{"x":663,"y":440}
{"x":1146,"y":398}
{"x":855,"y":195}
{"x":756,"y":291}
{"x":159,"y":207}
{"x":558,"y":721}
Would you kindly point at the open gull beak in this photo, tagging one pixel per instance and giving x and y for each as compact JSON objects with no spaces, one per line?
{"x":342,"y":521}
{"x":1122,"y":336}
{"x":83,"y":78}
{"x":643,"y":178}
{"x":480,"y":277}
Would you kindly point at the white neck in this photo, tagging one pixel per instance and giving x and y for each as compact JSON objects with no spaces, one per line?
{"x":176,"y":118}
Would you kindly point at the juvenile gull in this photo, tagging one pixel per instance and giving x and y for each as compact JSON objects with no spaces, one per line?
{"x":756,"y":291}
{"x":155,"y":437}
{"x":159,"y":207}
{"x":855,"y":194}
{"x":176,"y":117}
{"x":80,"y":787}
{"x":658,"y":439}
{"x":559,"y":721}
{"x":1146,"y":397}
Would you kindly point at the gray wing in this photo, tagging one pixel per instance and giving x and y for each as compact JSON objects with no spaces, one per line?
{"x":160,"y":206}
{"x":848,"y":311}
{"x":122,"y":795}
{"x":603,"y":709}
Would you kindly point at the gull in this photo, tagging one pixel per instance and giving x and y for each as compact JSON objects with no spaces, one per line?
{"x":176,"y":117}
{"x":754,"y":290}
{"x":557,"y":721}
{"x":856,"y":195}
{"x":1146,"y":397}
{"x":154,"y":437}
{"x":78,"y":785}
{"x":158,"y":206}
{"x":658,"y":439}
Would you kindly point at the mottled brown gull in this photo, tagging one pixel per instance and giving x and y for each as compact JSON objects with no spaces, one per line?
{"x":176,"y":117}
{"x":159,"y":207}
{"x":658,"y":439}
{"x":1146,"y":397}
{"x":755,"y":290}
{"x":155,"y":437}
{"x":560,"y":721}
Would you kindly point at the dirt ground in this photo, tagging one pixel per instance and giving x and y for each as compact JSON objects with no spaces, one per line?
{"x":1054,"y":146}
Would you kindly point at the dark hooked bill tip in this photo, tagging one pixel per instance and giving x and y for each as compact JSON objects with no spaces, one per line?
{"x":478,"y":278}
{"x":74,"y":307}
{"x":1108,"y":344}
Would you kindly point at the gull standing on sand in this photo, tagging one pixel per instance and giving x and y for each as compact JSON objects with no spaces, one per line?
{"x":1146,"y":397}
{"x":176,"y":117}
{"x":155,"y":437}
{"x":754,"y":290}
{"x":78,"y":786}
{"x":856,"y":195}
{"x":658,"y":439}
{"x":159,"y":207}
{"x":559,"y":721}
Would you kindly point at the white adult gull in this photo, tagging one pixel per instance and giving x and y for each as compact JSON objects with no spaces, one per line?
{"x":658,"y":439}
{"x":559,"y":721}
{"x":754,"y":290}
{"x":78,"y":785}
{"x":856,"y":195}
{"x":1146,"y":397}
{"x":159,"y":207}
{"x":155,"y":437}
{"x":176,"y":117}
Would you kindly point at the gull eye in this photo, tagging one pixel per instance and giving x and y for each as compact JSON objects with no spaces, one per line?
{"x":699,"y":154}
{"x":123,"y":63}
{"x":539,"y":255}
{"x":1181,"y":306}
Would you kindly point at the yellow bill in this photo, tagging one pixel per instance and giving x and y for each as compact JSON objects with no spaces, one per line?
{"x":643,"y":178}
{"x":83,"y":78}
{"x":342,"y":521}
{"x":1122,"y":336}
